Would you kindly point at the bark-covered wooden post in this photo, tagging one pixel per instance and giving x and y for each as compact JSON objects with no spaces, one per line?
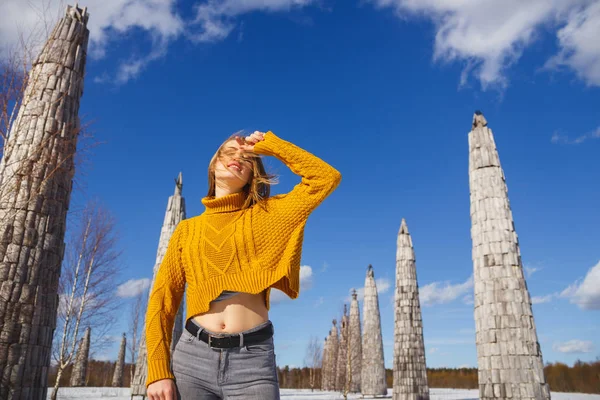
{"x":325,"y":364}
{"x":36,"y":174}
{"x":174,"y":214}
{"x":117,"y":380}
{"x":340,"y":374}
{"x":373,"y":382}
{"x":509,"y":357}
{"x":334,"y":345}
{"x":355,"y":347}
{"x":410,"y":372}
{"x":79,"y":371}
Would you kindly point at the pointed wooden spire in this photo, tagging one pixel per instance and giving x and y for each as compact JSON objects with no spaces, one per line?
{"x":410,"y":372}
{"x":340,"y":379}
{"x":117,"y":380}
{"x":174,"y":214}
{"x":508,"y":352}
{"x":179,"y":185}
{"x":355,"y":346}
{"x":79,"y":372}
{"x":373,"y":382}
{"x":36,"y":180}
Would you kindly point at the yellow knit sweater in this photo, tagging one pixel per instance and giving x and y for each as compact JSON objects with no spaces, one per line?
{"x":227,"y":248}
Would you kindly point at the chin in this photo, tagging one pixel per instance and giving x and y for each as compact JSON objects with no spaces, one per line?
{"x":232,"y":181}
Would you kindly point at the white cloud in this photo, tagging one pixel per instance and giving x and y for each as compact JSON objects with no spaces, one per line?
{"x":444,"y":292}
{"x":564,"y":139}
{"x":216,"y":18}
{"x":579,"y":44}
{"x":306,"y":280}
{"x":574,"y":346}
{"x":468,"y":299}
{"x":111,"y":20}
{"x":542,"y":299}
{"x":433,"y":350}
{"x":382,"y":284}
{"x":489,"y":36}
{"x":102,"y":357}
{"x":319,"y":301}
{"x":305,"y":277}
{"x":585,"y":294}
{"x":63,"y":303}
{"x":531,"y":270}
{"x":133,"y":287}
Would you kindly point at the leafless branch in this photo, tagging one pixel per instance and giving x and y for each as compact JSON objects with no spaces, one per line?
{"x":87,"y":285}
{"x":313,"y":359}
{"x":135,"y":328}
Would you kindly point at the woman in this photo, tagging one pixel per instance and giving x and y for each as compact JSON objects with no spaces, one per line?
{"x":230,"y":256}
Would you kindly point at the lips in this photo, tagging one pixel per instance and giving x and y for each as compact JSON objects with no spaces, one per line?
{"x":235,"y":164}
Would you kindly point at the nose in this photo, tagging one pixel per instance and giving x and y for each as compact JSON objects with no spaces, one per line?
{"x":239,"y":154}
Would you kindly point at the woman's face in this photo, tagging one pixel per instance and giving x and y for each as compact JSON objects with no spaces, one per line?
{"x":232,"y":167}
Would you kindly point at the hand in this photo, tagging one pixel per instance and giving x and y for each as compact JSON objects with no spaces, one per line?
{"x":162,"y":390}
{"x":247,"y":143}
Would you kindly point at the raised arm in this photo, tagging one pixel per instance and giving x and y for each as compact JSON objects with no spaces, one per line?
{"x":166,"y":295}
{"x":318,"y":179}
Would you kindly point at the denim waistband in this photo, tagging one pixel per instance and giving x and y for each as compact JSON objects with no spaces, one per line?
{"x":224,"y":334}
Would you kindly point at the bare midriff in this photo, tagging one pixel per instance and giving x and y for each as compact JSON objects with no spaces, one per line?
{"x":234,"y":315}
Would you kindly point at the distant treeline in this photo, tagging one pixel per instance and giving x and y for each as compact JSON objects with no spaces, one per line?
{"x":582,"y":377}
{"x":99,"y":374}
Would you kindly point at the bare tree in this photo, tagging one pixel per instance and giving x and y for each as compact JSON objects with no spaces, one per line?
{"x":135,"y":328}
{"x":87,"y":286}
{"x":348,"y":382}
{"x":13,"y":80}
{"x":313,"y":359}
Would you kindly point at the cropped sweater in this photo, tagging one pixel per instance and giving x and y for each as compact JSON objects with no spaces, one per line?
{"x":229,"y":248}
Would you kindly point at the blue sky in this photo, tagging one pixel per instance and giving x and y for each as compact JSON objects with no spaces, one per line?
{"x":384,"y":91}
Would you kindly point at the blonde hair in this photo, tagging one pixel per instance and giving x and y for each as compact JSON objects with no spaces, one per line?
{"x":259,"y":184}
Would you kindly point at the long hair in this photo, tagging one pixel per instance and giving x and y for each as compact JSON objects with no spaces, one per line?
{"x":259,"y":184}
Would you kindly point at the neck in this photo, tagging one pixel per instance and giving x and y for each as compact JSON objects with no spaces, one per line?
{"x":225,"y":191}
{"x":225,"y":203}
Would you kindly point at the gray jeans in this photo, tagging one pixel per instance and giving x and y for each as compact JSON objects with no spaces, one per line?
{"x":203,"y":373}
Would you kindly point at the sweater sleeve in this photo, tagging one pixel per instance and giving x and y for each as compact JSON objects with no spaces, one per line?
{"x":319,"y":179}
{"x":167,"y":292}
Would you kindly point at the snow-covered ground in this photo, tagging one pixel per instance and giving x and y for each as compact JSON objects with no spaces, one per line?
{"x":290,"y":394}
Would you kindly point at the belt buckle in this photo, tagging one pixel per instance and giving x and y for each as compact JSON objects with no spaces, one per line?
{"x":209,"y":341}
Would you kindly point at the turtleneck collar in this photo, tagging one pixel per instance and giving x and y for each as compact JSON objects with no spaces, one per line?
{"x":228,"y":203}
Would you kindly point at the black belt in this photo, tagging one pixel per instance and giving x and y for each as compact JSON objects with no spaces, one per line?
{"x":235,"y":340}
